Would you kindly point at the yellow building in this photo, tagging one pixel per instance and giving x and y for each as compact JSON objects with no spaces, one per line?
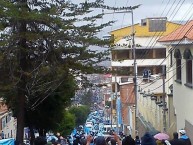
{"x":149,"y":27}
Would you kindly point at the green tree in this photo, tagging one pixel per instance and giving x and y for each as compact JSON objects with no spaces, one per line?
{"x":67,"y":124}
{"x":42,"y":43}
{"x":80,"y":113}
{"x":50,"y":112}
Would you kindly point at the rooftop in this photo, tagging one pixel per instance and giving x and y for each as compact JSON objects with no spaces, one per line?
{"x":183,"y":32}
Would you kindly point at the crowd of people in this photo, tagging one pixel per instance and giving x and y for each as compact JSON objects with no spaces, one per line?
{"x":178,"y":139}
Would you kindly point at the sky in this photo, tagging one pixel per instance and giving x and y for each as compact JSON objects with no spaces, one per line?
{"x":174,"y":10}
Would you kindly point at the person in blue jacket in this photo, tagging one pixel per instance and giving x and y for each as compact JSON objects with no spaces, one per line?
{"x":184,"y":137}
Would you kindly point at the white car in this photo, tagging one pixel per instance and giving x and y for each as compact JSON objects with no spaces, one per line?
{"x":89,"y":124}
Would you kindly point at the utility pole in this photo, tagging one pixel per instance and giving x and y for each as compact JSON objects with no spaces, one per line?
{"x":111,"y":111}
{"x":117,"y":123}
{"x":130,"y":10}
{"x":164,"y":102}
{"x":135,"y":71}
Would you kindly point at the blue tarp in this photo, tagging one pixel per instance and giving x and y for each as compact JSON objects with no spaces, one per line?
{"x":9,"y":141}
{"x":119,"y":117}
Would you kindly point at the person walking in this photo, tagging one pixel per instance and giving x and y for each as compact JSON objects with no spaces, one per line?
{"x":128,"y":140}
{"x":40,"y":141}
{"x":184,"y":137}
{"x":148,"y":139}
{"x":137,"y":140}
{"x":176,"y":140}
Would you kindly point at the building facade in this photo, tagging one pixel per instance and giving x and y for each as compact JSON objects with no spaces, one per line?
{"x":150,"y":56}
{"x":180,"y":45}
{"x":8,"y":123}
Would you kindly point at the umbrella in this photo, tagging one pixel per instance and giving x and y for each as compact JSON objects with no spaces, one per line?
{"x":161,"y":136}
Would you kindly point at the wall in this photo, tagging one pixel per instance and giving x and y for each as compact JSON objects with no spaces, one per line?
{"x":183,"y":96}
{"x":142,"y":31}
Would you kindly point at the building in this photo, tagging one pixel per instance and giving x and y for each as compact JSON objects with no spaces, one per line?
{"x":150,"y":55}
{"x":180,"y":47}
{"x":8,"y":123}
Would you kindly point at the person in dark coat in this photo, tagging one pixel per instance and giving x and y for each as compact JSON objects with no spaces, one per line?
{"x":40,"y":141}
{"x":176,"y":140}
{"x":128,"y":140}
{"x":137,"y":140}
{"x":148,"y":139}
{"x":184,"y":137}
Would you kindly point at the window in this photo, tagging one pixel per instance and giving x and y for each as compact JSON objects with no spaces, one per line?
{"x":188,"y":56}
{"x":171,"y":58}
{"x":178,"y":69}
{"x":178,"y":57}
{"x":189,"y":71}
{"x":3,"y":123}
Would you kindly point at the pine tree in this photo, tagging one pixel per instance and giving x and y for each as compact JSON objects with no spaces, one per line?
{"x":42,"y":43}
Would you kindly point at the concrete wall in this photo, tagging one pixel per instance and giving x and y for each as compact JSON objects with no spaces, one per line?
{"x":183,"y":96}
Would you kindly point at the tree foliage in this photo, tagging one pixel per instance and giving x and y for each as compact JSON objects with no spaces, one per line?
{"x":50,"y":113}
{"x":80,"y":113}
{"x":42,"y":43}
{"x":67,"y":124}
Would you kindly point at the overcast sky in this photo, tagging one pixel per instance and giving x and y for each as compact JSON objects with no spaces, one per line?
{"x":174,"y":10}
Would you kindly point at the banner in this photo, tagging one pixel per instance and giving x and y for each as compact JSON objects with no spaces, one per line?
{"x":9,"y":141}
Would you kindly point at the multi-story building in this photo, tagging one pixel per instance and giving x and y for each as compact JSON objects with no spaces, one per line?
{"x":150,"y":55}
{"x":180,"y":48}
{"x":8,"y":123}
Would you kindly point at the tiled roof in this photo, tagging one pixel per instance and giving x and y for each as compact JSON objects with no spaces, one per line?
{"x":185,"y":31}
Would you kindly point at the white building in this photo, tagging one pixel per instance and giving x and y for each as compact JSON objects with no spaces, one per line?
{"x":180,"y":48}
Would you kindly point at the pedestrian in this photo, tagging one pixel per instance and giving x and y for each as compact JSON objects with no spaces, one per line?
{"x":100,"y":140}
{"x":128,"y":140}
{"x":184,"y":137}
{"x":40,"y":141}
{"x":2,"y":135}
{"x":176,"y":140}
{"x":148,"y":139}
{"x":137,"y":140}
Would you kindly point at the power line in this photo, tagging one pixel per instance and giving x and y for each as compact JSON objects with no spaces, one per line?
{"x":172,"y":50}
{"x":124,"y":14}
{"x":159,"y":34}
{"x":113,"y":14}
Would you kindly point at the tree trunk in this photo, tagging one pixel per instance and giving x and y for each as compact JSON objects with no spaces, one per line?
{"x":20,"y":117}
{"x":23,"y":64}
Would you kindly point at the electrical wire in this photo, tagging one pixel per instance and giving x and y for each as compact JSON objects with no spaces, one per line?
{"x":172,"y":50}
{"x":113,"y":14}
{"x":165,"y":82}
{"x":160,"y":33}
{"x":124,"y":15}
